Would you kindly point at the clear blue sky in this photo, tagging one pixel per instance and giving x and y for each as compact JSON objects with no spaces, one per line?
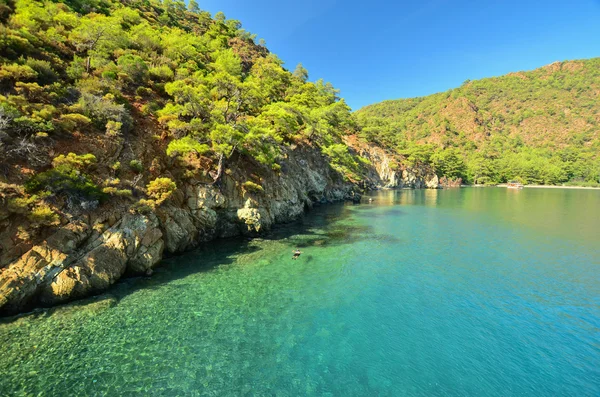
{"x":376,"y":50}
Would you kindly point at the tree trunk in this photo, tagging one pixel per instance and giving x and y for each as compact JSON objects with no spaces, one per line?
{"x":219,"y":169}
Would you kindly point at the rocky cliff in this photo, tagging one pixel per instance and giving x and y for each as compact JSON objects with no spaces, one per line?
{"x":88,"y":254}
{"x":92,"y":251}
{"x":389,"y":171}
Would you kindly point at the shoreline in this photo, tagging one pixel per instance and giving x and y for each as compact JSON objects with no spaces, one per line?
{"x":555,"y":187}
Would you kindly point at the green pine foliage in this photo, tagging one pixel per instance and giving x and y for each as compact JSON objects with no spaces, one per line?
{"x":539,"y":127}
{"x":80,"y":67}
{"x":159,"y":78}
{"x":67,"y":177}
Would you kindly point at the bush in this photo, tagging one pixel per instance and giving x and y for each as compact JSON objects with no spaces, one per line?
{"x":21,"y":205}
{"x":66,"y":177}
{"x":143,"y":91}
{"x":150,"y":108}
{"x":113,"y":191}
{"x":160,"y":189}
{"x":133,"y":68}
{"x":109,"y":190}
{"x":102,"y":110}
{"x":186,"y":145}
{"x":17,"y":72}
{"x":136,"y":166}
{"x":43,"y":215}
{"x":143,"y":206}
{"x":45,"y":72}
{"x":162,"y":73}
{"x":113,"y":128}
{"x":73,"y":160}
{"x":250,"y":186}
{"x":109,"y":75}
{"x":124,"y":193}
{"x":64,"y":180}
{"x":71,"y":121}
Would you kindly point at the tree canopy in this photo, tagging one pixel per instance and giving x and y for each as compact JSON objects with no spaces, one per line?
{"x":538,"y":127}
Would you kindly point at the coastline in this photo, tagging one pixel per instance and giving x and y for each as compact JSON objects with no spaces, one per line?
{"x":555,"y":187}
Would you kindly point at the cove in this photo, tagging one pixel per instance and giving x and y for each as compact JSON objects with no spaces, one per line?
{"x":449,"y":293}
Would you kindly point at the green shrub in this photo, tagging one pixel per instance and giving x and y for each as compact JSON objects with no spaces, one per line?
{"x":45,"y":72}
{"x":133,"y":68}
{"x":160,"y":189}
{"x":109,"y":190}
{"x":162,"y":73}
{"x":65,"y":180}
{"x":143,"y":206}
{"x":73,"y":160}
{"x":143,"y":91}
{"x":20,"y":205}
{"x":102,"y":110}
{"x":186,"y":145}
{"x":113,"y":191}
{"x":66,"y":177}
{"x":109,"y":75}
{"x":71,"y":121}
{"x":112,"y":182}
{"x":43,"y":215}
{"x":250,"y":186}
{"x":150,"y":108}
{"x":17,"y":72}
{"x":136,"y":166}
{"x":113,"y":128}
{"x":124,"y":193}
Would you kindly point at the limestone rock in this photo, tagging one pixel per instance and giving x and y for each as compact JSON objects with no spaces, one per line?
{"x":433,"y":182}
{"x":88,"y":255}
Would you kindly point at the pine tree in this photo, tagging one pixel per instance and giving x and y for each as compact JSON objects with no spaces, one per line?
{"x":301,"y":73}
{"x":193,"y":6}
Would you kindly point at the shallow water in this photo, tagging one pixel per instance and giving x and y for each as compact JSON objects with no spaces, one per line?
{"x":463,"y":292}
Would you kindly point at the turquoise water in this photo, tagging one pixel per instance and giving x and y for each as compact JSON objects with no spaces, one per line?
{"x":470,"y":292}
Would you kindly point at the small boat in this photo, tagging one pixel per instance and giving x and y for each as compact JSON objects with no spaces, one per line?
{"x":514,"y":185}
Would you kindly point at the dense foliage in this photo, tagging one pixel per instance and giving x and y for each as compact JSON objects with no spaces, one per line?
{"x":73,"y":69}
{"x":537,"y":127}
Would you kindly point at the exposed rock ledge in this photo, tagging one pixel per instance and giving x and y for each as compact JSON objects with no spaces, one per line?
{"x":86,"y":256}
{"x":388,"y":172}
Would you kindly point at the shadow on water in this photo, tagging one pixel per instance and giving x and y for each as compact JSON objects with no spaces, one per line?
{"x":374,"y":211}
{"x":324,"y":226}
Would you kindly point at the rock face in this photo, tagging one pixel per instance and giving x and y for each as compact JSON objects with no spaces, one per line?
{"x":388,"y":173}
{"x":89,"y":254}
{"x":85,"y":257}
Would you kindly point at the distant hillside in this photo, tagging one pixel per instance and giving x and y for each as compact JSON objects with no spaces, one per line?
{"x":539,"y":126}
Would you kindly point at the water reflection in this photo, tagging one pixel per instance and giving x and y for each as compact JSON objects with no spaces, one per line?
{"x":450,"y":292}
{"x":569,"y":213}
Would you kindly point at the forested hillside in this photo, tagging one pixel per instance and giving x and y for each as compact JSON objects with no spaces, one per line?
{"x":540,"y":126}
{"x":98,"y":98}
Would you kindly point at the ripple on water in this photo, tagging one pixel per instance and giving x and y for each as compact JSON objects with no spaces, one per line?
{"x":419,"y":300}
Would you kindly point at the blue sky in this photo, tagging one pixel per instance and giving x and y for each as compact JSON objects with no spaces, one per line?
{"x":376,"y":50}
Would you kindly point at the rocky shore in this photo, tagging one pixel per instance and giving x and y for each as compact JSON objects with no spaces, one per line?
{"x":93,"y":251}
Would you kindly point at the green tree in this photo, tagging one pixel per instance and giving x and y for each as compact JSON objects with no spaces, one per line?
{"x":193,"y":6}
{"x":97,"y":36}
{"x":450,"y":164}
{"x":301,"y":73}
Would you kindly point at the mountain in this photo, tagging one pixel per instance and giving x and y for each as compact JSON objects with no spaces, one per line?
{"x":540,"y":126}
